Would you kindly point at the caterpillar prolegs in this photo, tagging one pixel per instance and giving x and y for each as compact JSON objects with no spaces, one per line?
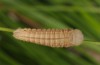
{"x":50,"y":37}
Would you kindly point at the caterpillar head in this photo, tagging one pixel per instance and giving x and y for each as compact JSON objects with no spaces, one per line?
{"x":77,"y":37}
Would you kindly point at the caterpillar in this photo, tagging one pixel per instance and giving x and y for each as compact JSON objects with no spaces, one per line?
{"x":50,"y":37}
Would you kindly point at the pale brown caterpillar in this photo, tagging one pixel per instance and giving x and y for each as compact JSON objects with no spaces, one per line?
{"x":50,"y":37}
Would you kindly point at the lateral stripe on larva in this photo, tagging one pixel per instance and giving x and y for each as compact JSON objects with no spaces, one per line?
{"x":50,"y":37}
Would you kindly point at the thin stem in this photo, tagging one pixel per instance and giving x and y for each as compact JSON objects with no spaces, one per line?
{"x":6,"y":29}
{"x":91,"y":42}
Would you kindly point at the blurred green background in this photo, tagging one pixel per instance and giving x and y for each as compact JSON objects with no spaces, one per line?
{"x":59,"y":14}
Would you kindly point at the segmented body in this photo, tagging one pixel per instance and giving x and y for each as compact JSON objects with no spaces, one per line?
{"x":50,"y":37}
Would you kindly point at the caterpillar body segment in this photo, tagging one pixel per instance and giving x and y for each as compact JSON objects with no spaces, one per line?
{"x":50,"y":37}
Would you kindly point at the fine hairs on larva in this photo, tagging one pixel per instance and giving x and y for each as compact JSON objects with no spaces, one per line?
{"x":50,"y":37}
